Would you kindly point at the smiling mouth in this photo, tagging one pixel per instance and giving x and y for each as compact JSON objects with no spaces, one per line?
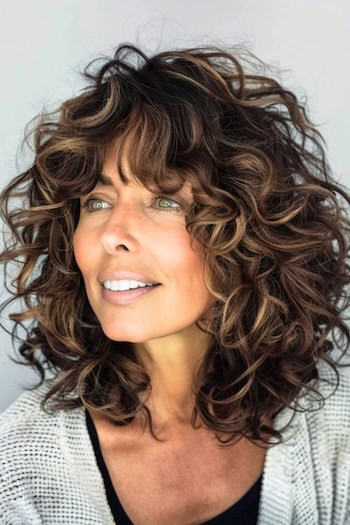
{"x":132,"y":289}
{"x":124,"y":297}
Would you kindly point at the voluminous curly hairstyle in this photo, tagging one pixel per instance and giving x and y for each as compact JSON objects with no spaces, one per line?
{"x":266,"y":212}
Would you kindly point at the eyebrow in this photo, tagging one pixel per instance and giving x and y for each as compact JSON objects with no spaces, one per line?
{"x":104,"y":180}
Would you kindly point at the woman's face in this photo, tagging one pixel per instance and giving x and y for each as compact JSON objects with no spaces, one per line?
{"x":128,"y":229}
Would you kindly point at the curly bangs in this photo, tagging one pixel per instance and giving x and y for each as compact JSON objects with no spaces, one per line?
{"x":266,"y":211}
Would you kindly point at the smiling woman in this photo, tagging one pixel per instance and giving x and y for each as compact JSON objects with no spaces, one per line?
{"x":183,"y":258}
{"x":132,"y":232}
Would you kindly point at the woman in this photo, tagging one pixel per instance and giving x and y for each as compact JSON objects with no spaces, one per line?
{"x":179,"y":267}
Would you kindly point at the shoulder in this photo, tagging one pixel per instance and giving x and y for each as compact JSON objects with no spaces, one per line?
{"x":29,"y":441}
{"x":321,"y":455}
{"x":48,"y":471}
{"x":27,"y":426}
{"x":329,"y":405}
{"x":322,"y":440}
{"x":25,"y":413}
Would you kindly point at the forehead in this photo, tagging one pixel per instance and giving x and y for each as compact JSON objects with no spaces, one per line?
{"x":109,"y":177}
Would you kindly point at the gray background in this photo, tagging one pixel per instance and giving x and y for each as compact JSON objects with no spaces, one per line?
{"x":43,"y":44}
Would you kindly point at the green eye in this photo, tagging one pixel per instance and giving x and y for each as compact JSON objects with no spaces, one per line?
{"x":166,"y":199}
{"x":92,"y":199}
{"x":99,"y":204}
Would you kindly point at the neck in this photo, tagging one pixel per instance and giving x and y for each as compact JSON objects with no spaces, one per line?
{"x":171,"y":363}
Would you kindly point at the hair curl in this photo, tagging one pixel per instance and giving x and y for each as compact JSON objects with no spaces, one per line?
{"x":265,"y":211}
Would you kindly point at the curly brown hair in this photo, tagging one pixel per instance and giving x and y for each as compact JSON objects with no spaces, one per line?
{"x":266,"y":212}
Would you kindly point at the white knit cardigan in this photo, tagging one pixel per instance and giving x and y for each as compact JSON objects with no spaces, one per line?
{"x":49,"y":474}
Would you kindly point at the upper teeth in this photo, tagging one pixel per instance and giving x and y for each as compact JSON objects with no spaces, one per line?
{"x":118,"y":286}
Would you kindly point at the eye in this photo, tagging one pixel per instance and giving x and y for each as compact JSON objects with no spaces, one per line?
{"x":90,"y":200}
{"x":88,"y":204}
{"x":167,"y":208}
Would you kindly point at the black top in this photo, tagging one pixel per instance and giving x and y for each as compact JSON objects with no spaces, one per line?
{"x":244,"y":512}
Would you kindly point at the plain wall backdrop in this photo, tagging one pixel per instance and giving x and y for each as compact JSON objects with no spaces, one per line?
{"x":43,"y":45}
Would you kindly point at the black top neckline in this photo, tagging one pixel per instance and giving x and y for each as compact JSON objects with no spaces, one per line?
{"x":244,"y":511}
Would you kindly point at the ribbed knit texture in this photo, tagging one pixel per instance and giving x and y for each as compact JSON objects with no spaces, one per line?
{"x":49,"y":474}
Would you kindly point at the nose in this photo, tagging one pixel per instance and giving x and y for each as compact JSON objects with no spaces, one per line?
{"x":120,"y":230}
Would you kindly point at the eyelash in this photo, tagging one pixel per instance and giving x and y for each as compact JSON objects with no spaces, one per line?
{"x":90,"y":199}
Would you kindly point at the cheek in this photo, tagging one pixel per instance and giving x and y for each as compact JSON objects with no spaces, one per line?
{"x":195,"y":257}
{"x":179,"y":254}
{"x":186,"y":261}
{"x":82,"y":250}
{"x":77,"y":247}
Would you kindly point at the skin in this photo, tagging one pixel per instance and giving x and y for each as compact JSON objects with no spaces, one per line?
{"x":135,"y":232}
{"x":187,"y":478}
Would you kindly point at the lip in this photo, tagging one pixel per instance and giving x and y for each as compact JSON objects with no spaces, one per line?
{"x":124,"y":274}
{"x":127,"y":296}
